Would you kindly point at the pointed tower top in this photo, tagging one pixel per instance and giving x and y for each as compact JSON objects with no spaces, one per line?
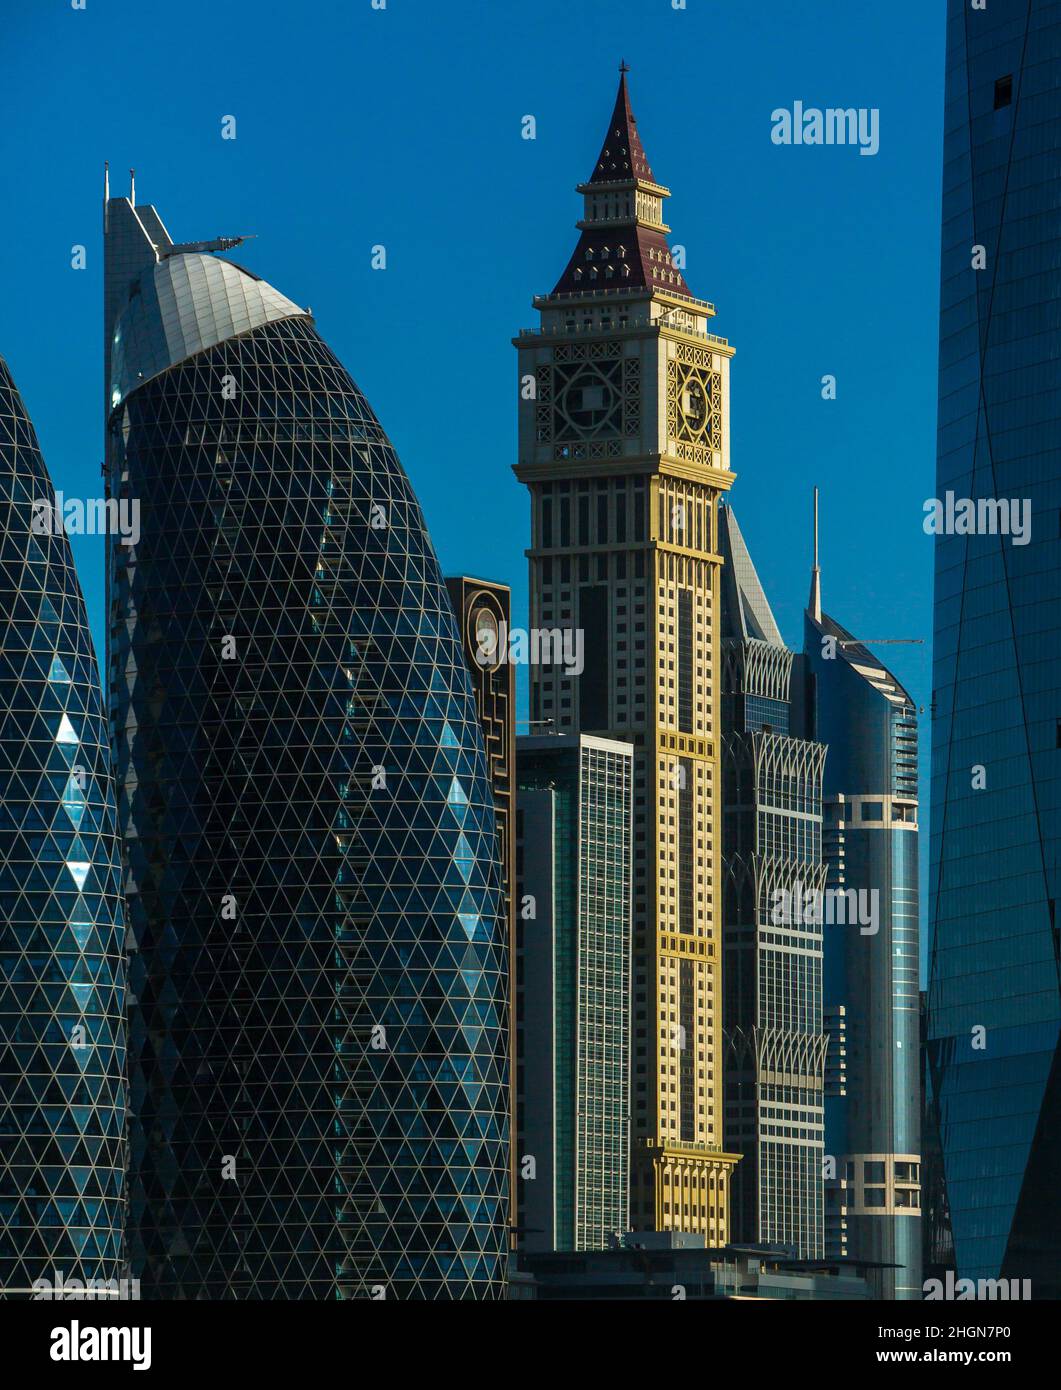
{"x":746,"y":611}
{"x":622,"y":155}
{"x":814,"y":603}
{"x":624,"y":245}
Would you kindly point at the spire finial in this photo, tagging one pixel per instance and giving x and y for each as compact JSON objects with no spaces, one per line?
{"x":814,"y":604}
{"x":623,"y":68}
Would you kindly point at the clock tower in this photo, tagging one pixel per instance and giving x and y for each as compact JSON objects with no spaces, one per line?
{"x":624,"y":446}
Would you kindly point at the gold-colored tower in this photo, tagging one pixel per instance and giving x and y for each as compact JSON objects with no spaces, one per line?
{"x":624,"y":445}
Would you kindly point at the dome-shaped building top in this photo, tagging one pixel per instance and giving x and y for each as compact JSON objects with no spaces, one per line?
{"x":318,"y":1040}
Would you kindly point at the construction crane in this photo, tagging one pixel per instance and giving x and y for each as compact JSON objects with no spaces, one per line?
{"x":879,"y":641}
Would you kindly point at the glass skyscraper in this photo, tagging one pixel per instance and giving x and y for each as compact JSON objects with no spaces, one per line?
{"x":870,"y":955}
{"x":318,"y":1035}
{"x":62,"y":946}
{"x":994,"y":1009}
{"x":574,"y":854}
{"x":772,"y":976}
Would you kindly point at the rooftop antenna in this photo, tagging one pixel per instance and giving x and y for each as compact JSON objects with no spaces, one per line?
{"x":132,"y":187}
{"x":106,"y":193}
{"x":815,"y":602}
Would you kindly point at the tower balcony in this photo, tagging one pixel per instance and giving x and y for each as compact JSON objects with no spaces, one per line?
{"x":633,"y":324}
{"x":561,"y":297}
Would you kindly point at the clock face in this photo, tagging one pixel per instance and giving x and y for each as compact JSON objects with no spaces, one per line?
{"x":694,"y":408}
{"x":487,"y":638}
{"x":588,"y":400}
{"x":695,"y":405}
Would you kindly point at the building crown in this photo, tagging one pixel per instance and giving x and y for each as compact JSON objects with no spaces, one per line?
{"x":623,"y":245}
{"x":622,"y":156}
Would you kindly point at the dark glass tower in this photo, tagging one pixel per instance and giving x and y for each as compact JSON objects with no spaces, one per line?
{"x":994,"y":1005}
{"x":483,"y":610}
{"x":62,"y":948}
{"x":574,"y":851}
{"x":318,"y":1050}
{"x":772,"y":845}
{"x":870,"y":949}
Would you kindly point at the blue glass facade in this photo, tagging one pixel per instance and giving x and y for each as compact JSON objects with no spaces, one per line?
{"x":574,"y":853}
{"x":993,"y":1006}
{"x":62,"y":947}
{"x":870,"y":978}
{"x":318,"y":1036}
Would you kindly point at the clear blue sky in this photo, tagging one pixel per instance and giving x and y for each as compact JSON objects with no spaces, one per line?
{"x":403,"y":127}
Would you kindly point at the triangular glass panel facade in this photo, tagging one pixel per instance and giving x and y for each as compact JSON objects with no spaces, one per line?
{"x":62,"y":935}
{"x":311,"y":850}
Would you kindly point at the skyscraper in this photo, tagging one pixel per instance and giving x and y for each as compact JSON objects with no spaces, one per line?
{"x":994,"y":1007}
{"x":624,"y":445}
{"x":62,"y":947}
{"x":483,"y":610}
{"x":318,"y":1045}
{"x":870,"y":934}
{"x":772,"y":1000}
{"x":573,"y":1038}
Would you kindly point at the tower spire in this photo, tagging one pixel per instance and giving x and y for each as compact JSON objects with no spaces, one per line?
{"x":624,"y":237}
{"x":814,"y":603}
{"x":622,"y":155}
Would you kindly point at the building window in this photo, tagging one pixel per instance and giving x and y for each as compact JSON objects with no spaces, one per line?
{"x":1003,"y":91}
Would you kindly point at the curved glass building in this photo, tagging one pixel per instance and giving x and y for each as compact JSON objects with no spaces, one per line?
{"x":62,"y":946}
{"x":994,"y":1004}
{"x":318,"y":1045}
{"x":870,"y":956}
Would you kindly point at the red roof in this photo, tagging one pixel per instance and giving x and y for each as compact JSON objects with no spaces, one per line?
{"x":622,"y":155}
{"x":642,"y":251}
{"x":623,"y":255}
